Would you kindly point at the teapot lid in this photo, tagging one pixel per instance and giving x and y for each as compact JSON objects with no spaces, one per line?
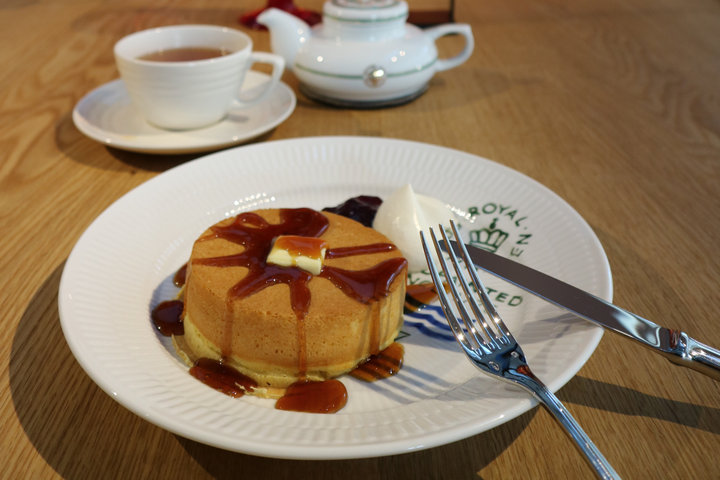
{"x":365,"y":10}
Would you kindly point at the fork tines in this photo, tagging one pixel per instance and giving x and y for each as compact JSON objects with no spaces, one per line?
{"x":484,"y":335}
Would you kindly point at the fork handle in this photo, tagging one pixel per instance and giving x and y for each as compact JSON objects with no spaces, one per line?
{"x":524,"y":377}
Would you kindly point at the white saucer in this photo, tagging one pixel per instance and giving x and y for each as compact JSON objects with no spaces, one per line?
{"x":106,"y":115}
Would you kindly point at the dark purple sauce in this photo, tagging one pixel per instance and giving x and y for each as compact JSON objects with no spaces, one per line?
{"x":361,"y":209}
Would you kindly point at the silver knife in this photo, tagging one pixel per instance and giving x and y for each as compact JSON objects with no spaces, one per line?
{"x":676,"y":345}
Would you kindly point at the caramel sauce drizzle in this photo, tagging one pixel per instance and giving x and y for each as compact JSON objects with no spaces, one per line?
{"x":222,"y":377}
{"x":340,"y":252}
{"x":381,"y":365}
{"x":314,"y":397}
{"x":311,"y":247}
{"x":422,"y":293}
{"x":180,"y":276}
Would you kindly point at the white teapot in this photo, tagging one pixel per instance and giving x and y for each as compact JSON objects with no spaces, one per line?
{"x":363,"y":54}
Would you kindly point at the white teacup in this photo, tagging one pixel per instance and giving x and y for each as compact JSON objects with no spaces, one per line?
{"x":189,"y":94}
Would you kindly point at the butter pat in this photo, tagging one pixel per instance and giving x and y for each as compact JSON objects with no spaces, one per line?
{"x":306,"y":253}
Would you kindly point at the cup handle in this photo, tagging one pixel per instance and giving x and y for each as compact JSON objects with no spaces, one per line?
{"x":449,"y":29}
{"x":259,"y":93}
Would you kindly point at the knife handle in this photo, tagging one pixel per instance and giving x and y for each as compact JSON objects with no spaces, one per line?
{"x":698,"y":356}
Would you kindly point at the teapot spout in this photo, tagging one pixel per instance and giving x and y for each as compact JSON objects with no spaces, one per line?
{"x":287,"y":33}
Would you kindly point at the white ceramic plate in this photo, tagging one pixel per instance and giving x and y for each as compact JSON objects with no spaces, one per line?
{"x":106,"y":115}
{"x":123,"y":264}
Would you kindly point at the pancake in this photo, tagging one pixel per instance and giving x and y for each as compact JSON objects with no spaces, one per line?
{"x":280,"y":324}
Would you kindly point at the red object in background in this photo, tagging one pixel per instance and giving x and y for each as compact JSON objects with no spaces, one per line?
{"x":310,"y":17}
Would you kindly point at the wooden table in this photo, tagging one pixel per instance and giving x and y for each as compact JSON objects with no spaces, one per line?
{"x":614,"y":105}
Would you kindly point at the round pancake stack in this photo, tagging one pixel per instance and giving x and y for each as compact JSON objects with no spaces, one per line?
{"x":281,"y":324}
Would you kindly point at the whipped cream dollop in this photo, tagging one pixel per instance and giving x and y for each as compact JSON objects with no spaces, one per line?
{"x":403,"y":215}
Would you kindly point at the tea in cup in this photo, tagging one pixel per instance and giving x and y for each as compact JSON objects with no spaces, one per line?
{"x":190,"y":76}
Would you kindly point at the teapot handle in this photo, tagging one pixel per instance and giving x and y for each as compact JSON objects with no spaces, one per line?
{"x":450,"y":29}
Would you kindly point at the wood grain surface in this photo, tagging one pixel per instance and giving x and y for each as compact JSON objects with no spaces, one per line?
{"x":614,"y":105}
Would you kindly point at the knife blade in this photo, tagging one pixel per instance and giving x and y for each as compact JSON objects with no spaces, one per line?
{"x":676,"y":345}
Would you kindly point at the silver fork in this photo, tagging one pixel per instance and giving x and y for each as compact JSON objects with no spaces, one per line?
{"x":490,"y":345}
